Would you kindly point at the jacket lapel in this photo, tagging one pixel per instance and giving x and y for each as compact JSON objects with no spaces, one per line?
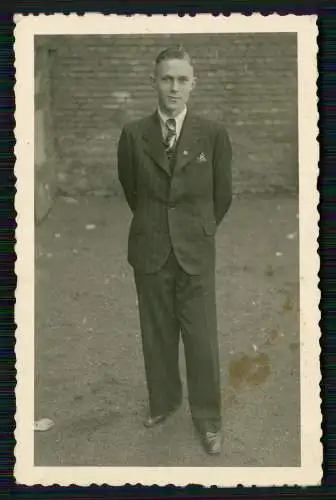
{"x":190,"y":143}
{"x":153,"y":143}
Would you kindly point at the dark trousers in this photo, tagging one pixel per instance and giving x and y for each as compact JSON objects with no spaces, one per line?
{"x":171,"y":303}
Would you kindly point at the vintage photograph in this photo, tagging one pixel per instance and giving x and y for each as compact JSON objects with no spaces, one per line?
{"x":170,"y":211}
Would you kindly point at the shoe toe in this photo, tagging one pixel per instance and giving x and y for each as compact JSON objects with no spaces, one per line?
{"x":212,"y":443}
{"x":152,"y":421}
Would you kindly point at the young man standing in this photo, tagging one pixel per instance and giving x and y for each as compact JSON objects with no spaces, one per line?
{"x":175,"y":170}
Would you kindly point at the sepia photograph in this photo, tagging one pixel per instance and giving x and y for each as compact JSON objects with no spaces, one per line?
{"x":171,"y":267}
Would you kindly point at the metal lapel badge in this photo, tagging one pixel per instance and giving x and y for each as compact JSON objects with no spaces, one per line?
{"x":201,"y":158}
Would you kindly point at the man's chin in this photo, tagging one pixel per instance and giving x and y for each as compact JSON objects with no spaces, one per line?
{"x":174,"y":106}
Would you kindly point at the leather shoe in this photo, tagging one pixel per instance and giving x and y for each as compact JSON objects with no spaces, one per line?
{"x":153,"y":421}
{"x":211,"y":442}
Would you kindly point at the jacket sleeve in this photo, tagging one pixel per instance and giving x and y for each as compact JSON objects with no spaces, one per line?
{"x":126,"y":168}
{"x":222,"y":174}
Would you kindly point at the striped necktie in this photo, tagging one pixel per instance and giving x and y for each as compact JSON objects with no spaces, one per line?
{"x":171,"y":133}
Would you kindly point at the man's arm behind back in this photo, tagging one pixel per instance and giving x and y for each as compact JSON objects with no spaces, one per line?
{"x":126,"y":169}
{"x":222,"y":164}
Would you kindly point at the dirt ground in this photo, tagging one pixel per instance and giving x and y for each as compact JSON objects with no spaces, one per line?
{"x":89,"y":365}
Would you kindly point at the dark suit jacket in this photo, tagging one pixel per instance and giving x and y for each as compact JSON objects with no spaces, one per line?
{"x":180,"y":210}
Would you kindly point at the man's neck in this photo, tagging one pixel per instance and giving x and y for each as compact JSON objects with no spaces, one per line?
{"x":173,"y":114}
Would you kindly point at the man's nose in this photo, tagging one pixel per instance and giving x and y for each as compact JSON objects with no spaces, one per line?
{"x":175,"y":85}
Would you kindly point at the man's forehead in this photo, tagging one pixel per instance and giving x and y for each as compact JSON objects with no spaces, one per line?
{"x":176,"y":67}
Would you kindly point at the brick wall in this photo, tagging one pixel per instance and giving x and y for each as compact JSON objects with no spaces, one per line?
{"x":247,"y":81}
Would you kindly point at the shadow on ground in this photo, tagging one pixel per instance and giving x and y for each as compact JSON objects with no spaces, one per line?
{"x":89,"y":365}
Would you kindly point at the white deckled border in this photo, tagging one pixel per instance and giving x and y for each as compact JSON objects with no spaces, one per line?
{"x":310,"y":472}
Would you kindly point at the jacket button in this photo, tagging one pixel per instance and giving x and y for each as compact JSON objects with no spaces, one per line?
{"x":171,"y":205}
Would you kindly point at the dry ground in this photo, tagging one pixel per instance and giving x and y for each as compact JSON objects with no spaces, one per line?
{"x":89,"y":366}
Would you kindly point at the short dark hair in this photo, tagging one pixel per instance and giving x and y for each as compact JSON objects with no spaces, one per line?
{"x":174,"y":52}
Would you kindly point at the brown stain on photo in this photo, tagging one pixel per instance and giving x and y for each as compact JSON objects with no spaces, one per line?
{"x":249,"y":370}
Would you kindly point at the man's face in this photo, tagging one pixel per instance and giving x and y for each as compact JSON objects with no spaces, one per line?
{"x":173,"y":81}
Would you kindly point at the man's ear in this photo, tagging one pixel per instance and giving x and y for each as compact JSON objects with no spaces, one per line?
{"x":193,"y":83}
{"x":152,"y":80}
